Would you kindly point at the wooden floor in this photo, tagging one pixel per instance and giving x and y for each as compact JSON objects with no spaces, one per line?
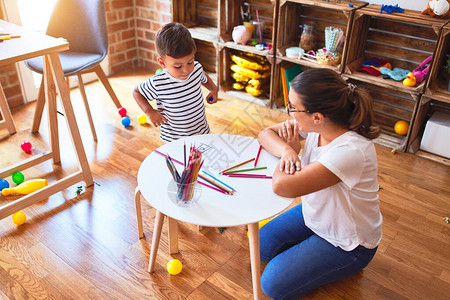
{"x":86,"y":246}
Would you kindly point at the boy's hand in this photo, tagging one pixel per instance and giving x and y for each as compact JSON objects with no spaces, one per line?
{"x":156,"y":118}
{"x":212,"y":97}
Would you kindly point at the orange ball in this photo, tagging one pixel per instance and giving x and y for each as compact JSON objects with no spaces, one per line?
{"x":401,"y":127}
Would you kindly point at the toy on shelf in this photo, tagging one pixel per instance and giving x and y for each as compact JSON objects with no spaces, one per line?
{"x":4,"y":184}
{"x":437,"y":8}
{"x":401,"y":127}
{"x":240,"y":34}
{"x":158,"y":71}
{"x":396,"y":74}
{"x":26,"y":187}
{"x":251,"y":73}
{"x":410,"y":80}
{"x":17,"y":177}
{"x":422,"y":70}
{"x":26,"y":147}
{"x":391,"y":9}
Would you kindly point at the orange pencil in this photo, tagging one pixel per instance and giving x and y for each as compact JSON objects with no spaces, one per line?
{"x":238,"y":165}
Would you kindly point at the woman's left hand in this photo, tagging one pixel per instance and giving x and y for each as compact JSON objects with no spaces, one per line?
{"x":290,"y":134}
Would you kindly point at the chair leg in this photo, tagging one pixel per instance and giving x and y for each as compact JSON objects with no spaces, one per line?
{"x":102,"y":76}
{"x":159,"y":219}
{"x":40,"y":103}
{"x":173,"y":235}
{"x":86,"y":106}
{"x":137,"y":199}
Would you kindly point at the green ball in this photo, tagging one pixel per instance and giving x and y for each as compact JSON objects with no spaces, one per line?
{"x":18,"y":177}
{"x":158,"y":71}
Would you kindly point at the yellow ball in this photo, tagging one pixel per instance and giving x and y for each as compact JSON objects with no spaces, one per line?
{"x":174,"y":266}
{"x":19,"y":218}
{"x":401,"y":127}
{"x":142,"y":119}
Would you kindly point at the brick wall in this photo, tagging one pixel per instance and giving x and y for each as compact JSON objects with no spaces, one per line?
{"x":150,"y":15}
{"x":132,"y":25}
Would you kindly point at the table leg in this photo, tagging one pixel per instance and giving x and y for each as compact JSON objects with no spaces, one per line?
{"x":173,"y":235}
{"x":7,"y":121}
{"x":159,"y":219}
{"x":137,"y":199}
{"x":50,"y":95}
{"x":255,"y":262}
{"x":72,"y":125}
{"x":40,"y":103}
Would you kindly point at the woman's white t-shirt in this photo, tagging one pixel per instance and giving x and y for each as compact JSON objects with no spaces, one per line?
{"x":346,"y":214}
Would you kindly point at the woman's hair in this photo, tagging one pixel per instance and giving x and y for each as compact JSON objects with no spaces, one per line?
{"x":174,"y":40}
{"x":325,"y":91}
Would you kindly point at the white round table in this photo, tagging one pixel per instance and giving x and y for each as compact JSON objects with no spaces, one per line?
{"x":252,"y":202}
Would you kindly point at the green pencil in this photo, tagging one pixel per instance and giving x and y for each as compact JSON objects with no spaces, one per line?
{"x":245,"y":170}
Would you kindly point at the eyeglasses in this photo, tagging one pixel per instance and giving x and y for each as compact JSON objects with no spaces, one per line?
{"x":290,"y":109}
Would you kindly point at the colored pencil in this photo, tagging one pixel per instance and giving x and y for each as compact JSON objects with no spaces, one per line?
{"x":245,"y":170}
{"x":173,"y":159}
{"x":218,"y":180}
{"x":213,"y":188}
{"x":257,"y":156}
{"x":216,"y":184}
{"x":238,"y":165}
{"x":247,"y":175}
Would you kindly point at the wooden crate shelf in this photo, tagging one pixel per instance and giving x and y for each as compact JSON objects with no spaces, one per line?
{"x":205,"y":33}
{"x":225,"y":80}
{"x":389,"y":107}
{"x":437,"y":84}
{"x":323,"y":14}
{"x":404,"y":39}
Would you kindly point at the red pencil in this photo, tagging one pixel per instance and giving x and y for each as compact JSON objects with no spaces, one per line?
{"x":257,"y":155}
{"x":247,"y":175}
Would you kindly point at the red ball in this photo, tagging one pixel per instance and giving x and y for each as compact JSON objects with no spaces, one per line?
{"x":26,"y":146}
{"x":122,"y":112}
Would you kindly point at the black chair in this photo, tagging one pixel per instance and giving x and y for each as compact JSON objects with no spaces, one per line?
{"x":82,"y":23}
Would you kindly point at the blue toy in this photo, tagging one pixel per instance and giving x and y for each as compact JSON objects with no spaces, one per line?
{"x":396,"y":74}
{"x":126,"y":121}
{"x":3,"y":184}
{"x":391,"y":9}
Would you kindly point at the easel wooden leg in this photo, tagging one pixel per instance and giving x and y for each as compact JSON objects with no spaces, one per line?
{"x":137,"y":199}
{"x":72,"y":125}
{"x":159,"y":220}
{"x":102,"y":76}
{"x":173,"y":235}
{"x":7,"y":121}
{"x":255,"y":262}
{"x":50,"y":95}
{"x":40,"y":103}
{"x":86,"y":105}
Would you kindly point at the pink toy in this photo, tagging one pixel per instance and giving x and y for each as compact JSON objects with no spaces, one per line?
{"x":122,"y":112}
{"x":421,"y":71}
{"x":26,"y":146}
{"x":240,"y":34}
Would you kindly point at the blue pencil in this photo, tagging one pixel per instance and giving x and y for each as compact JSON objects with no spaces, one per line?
{"x":218,"y":180}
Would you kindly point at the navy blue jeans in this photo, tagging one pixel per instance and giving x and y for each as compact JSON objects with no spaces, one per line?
{"x":300,"y":261}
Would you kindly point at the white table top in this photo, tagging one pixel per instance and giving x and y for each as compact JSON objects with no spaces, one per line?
{"x":30,"y":44}
{"x":253,"y":201}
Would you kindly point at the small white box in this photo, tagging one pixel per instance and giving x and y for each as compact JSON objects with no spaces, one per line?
{"x":436,"y":137}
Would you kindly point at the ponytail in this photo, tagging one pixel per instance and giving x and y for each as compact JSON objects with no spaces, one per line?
{"x":325,"y":91}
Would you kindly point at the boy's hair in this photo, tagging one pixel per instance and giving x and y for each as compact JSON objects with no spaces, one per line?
{"x":325,"y":91}
{"x":175,"y":40}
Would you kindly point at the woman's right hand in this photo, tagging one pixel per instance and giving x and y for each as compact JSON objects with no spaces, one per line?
{"x":290,"y":162}
{"x":156,"y":118}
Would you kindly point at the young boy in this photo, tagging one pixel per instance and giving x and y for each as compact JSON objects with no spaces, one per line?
{"x":177,"y":89}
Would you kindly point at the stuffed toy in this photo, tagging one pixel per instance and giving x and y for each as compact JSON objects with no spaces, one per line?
{"x":437,"y":8}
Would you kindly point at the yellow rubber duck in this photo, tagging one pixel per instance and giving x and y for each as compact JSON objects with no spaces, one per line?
{"x":410,"y":80}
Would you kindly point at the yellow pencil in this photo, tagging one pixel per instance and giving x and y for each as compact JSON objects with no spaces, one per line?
{"x":238,"y":165}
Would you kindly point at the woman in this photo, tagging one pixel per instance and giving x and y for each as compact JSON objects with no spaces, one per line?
{"x":335,"y":231}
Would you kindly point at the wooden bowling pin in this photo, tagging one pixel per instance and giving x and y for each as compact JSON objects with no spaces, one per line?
{"x":26,"y":187}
